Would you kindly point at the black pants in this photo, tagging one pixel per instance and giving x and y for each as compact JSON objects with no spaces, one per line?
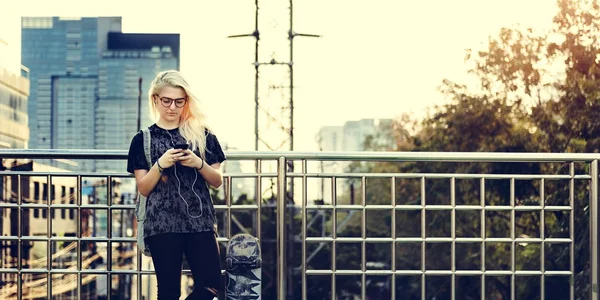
{"x":202,"y":255}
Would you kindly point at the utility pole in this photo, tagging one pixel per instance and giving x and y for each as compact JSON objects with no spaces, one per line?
{"x":139,"y":109}
{"x":273,"y":117}
{"x":269,"y":117}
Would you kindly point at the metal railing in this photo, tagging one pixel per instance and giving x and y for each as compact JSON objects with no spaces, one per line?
{"x":350,"y":212}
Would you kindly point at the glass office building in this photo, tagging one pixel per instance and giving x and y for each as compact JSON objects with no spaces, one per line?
{"x":72,"y":114}
{"x":14,"y":89}
{"x":123,"y":75}
{"x":85,"y":76}
{"x":52,"y":46}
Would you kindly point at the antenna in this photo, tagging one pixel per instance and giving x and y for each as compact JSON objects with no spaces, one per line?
{"x":274,"y":118}
{"x":273,"y":96}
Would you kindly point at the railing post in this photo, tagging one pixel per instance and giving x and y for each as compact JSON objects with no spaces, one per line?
{"x":594,"y":230}
{"x":281,"y":234}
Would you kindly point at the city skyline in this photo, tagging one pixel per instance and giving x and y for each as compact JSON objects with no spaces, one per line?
{"x":352,"y":64}
{"x":87,"y":81}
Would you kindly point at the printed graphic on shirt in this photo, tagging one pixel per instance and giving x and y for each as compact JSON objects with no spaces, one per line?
{"x":181,"y":200}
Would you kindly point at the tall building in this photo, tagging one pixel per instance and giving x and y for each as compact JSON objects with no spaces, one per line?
{"x":331,"y":138}
{"x":86,"y":76}
{"x":349,"y":137}
{"x":52,"y":47}
{"x":14,"y":90}
{"x":72,"y":114}
{"x":126,"y":69}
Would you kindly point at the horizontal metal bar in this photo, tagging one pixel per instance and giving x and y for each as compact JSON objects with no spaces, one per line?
{"x":120,"y":206}
{"x":87,"y":271}
{"x":110,"y":206}
{"x":66,"y":174}
{"x":308,"y":272}
{"x":360,"y":207}
{"x":63,"y":153}
{"x":525,"y":208}
{"x":237,"y":207}
{"x":68,"y":239}
{"x":441,"y":175}
{"x":312,"y":239}
{"x":434,"y":240}
{"x":70,"y":174}
{"x":250,"y":175}
{"x":438,"y":207}
{"x":341,"y":155}
{"x":309,"y":207}
{"x":71,"y":271}
{"x":436,"y":272}
{"x":71,"y":206}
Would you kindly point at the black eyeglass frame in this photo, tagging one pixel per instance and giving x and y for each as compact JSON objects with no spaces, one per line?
{"x":170,"y":101}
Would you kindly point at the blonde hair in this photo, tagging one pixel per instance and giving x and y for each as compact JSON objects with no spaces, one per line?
{"x":192,"y":122}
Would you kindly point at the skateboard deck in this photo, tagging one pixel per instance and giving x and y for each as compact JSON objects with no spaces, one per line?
{"x":243,"y":268}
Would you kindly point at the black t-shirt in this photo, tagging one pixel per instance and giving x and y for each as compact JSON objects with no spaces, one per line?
{"x":137,"y":159}
{"x":180,"y":201}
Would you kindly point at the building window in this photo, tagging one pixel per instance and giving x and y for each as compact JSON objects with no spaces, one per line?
{"x":63,"y":195}
{"x":36,"y":191}
{"x":36,"y":199}
{"x":45,"y":192}
{"x":36,"y":22}
{"x":53,"y":199}
{"x":71,"y":201}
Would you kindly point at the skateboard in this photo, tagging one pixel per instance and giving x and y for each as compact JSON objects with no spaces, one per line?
{"x":243,"y":268}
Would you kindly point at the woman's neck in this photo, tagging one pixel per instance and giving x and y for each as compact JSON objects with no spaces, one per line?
{"x":167,"y":125}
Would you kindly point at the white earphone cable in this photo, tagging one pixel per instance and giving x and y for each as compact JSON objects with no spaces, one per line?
{"x":179,"y":185}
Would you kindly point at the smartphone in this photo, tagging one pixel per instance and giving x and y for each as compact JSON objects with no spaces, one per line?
{"x":181,"y":146}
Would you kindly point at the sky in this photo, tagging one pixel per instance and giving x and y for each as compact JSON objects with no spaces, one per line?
{"x":374,"y":59}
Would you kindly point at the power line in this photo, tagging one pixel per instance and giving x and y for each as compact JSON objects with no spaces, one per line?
{"x":273,"y":97}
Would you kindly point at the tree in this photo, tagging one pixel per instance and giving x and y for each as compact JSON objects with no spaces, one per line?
{"x":538,"y":92}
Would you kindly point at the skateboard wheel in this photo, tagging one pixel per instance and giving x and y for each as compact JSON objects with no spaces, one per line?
{"x":229,"y":263}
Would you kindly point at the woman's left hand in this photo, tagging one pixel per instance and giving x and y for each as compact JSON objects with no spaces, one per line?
{"x":190,"y":159}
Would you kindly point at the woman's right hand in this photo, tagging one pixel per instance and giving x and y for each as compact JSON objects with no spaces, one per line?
{"x":170,"y":157}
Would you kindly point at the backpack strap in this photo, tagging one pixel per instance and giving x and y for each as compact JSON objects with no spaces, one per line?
{"x":147,"y":137}
{"x":140,"y":208}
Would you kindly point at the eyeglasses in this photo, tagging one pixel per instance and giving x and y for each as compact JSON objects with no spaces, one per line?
{"x":166,"y":101}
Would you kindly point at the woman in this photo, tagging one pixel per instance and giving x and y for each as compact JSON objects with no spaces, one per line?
{"x":180,"y":217}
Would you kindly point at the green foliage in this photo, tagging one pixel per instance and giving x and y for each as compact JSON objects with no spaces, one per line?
{"x":539,"y":92}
